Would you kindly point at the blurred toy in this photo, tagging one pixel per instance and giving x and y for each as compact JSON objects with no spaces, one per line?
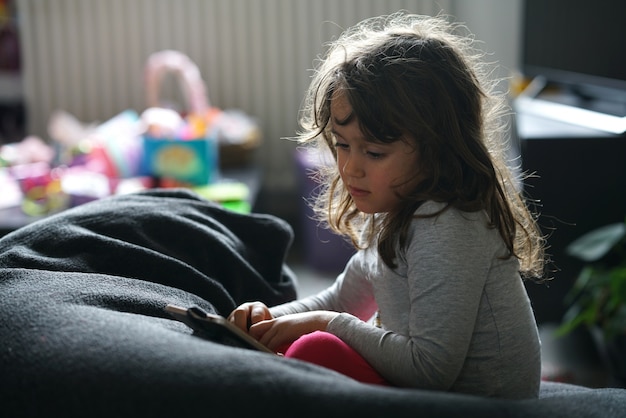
{"x":31,"y":149}
{"x":69,"y":135}
{"x":170,"y":61}
{"x":238,"y":136}
{"x":82,"y":185}
{"x":120,"y":140}
{"x":177,"y":147}
{"x":159,"y":122}
{"x":232,"y":195}
{"x":11,"y":194}
{"x":41,"y":188}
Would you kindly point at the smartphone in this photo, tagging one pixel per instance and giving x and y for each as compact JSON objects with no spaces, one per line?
{"x":215,"y":328}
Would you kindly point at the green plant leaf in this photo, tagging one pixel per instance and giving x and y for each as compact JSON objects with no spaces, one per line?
{"x":598,"y":296}
{"x":569,"y":325}
{"x":617,"y":324}
{"x":596,"y":244}
{"x":575,"y":317}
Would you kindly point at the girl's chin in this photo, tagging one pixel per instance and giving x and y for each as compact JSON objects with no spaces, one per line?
{"x":367,"y":209}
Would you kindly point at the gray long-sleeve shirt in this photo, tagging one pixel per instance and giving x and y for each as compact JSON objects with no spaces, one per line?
{"x":455,"y":315}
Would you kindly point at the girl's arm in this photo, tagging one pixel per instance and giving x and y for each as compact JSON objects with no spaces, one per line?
{"x":351,"y":292}
{"x":283,"y":324}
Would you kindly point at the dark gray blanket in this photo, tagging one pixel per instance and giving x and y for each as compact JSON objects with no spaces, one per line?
{"x":83,"y":331}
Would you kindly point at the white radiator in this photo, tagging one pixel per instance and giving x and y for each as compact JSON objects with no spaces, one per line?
{"x":87,"y":56}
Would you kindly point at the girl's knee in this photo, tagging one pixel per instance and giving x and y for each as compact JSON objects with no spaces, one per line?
{"x":315,"y":345}
{"x":328,"y":350}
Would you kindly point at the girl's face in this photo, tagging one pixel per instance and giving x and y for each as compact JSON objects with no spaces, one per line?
{"x":372,"y":172}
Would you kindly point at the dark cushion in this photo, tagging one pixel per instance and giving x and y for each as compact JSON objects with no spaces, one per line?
{"x":83,"y":331}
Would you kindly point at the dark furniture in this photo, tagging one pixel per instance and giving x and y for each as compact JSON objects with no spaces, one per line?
{"x":580,"y":184}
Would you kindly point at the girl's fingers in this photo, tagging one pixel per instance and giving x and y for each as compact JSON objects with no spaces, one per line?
{"x":249,"y":313}
{"x":259,"y":329}
{"x":239,"y":318}
{"x":258,"y":313}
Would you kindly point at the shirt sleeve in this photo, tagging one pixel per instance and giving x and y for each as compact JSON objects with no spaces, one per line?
{"x":351,"y":292}
{"x":448,"y":259}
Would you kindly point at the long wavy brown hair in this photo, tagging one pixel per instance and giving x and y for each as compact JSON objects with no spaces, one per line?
{"x":420,"y":79}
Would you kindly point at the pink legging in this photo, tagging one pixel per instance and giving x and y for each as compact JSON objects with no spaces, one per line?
{"x":328,"y":350}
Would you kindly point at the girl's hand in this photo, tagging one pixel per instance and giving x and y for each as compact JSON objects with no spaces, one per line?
{"x":276,"y":333}
{"x":249,"y":314}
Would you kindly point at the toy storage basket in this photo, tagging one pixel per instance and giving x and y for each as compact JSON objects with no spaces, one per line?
{"x":190,"y":159}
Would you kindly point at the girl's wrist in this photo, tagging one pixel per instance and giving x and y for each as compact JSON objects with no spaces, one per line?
{"x":328,"y":318}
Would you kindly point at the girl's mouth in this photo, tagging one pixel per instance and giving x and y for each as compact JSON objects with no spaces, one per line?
{"x":356,"y":192}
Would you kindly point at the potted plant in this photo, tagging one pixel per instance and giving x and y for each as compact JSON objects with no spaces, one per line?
{"x":597,"y":299}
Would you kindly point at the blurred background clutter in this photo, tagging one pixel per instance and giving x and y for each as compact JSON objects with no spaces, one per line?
{"x":87,"y":59}
{"x":160,"y":146}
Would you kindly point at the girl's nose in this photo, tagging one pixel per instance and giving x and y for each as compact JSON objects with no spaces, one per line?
{"x":352,"y":166}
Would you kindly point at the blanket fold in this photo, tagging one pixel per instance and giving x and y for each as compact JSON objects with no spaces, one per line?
{"x":168,"y":237}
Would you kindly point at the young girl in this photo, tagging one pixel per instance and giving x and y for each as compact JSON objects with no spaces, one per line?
{"x":422,"y":189}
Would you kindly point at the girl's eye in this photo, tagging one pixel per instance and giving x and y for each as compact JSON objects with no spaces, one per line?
{"x":346,"y":146}
{"x":375,"y":155}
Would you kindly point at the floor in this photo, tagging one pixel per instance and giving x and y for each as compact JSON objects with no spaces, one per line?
{"x":316,"y":255}
{"x":316,"y":263}
{"x":311,"y":281}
